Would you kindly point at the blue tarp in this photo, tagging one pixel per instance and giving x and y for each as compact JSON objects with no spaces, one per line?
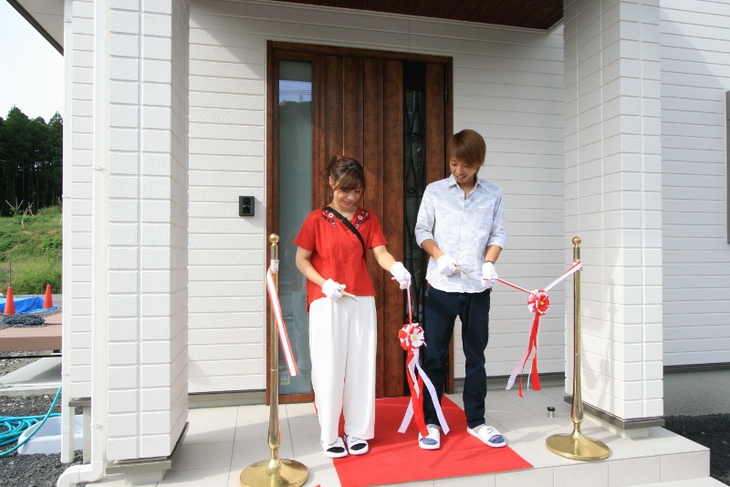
{"x":31,"y":304}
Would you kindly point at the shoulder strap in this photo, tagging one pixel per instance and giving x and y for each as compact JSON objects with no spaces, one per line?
{"x":348,"y":225}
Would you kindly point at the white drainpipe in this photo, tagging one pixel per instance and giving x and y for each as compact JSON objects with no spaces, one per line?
{"x":100,"y":222}
{"x":67,"y":413}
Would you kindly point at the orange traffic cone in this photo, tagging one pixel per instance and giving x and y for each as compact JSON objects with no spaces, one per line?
{"x":9,"y":303}
{"x":48,"y":301}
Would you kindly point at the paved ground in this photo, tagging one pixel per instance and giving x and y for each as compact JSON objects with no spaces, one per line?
{"x":709,"y":430}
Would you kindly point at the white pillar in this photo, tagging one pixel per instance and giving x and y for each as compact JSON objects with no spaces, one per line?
{"x":148,"y":204}
{"x":613,"y":202}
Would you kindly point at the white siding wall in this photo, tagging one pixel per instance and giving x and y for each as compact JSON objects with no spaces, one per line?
{"x":508,"y":86}
{"x":77,"y":163}
{"x":695,"y":74}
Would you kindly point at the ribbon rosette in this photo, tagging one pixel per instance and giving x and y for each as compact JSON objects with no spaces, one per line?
{"x":411,"y":338}
{"x":538,"y":303}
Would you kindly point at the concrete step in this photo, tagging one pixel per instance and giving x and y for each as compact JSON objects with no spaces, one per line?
{"x":700,"y":482}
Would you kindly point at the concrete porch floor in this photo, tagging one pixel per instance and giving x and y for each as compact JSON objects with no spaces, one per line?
{"x":223,"y":441}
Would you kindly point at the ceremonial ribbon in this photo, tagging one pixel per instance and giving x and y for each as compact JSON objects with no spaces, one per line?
{"x":538,"y":303}
{"x":411,"y":339}
{"x":291,"y":364}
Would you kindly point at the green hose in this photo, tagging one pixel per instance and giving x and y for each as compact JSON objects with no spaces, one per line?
{"x":14,"y":426}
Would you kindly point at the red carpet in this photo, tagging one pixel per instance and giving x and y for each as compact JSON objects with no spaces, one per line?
{"x":396,"y":457}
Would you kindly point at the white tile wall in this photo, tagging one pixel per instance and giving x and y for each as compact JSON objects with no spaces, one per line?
{"x":612,"y":112}
{"x":148,"y":165}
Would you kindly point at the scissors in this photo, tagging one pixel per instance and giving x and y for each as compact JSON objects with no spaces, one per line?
{"x":458,"y":268}
{"x":348,"y":295}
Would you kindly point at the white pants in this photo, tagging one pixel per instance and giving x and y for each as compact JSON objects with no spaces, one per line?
{"x":342,"y":344}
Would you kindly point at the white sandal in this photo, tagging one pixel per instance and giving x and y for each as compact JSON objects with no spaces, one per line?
{"x":489,"y":435}
{"x":356,"y":446}
{"x":334,"y":450}
{"x":433,"y":440}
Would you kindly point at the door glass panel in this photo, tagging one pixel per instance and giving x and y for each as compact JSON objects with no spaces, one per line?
{"x":414,"y":171}
{"x":295,"y":202}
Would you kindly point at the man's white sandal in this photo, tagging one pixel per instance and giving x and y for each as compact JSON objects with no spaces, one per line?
{"x":433,"y":440}
{"x":489,"y":435}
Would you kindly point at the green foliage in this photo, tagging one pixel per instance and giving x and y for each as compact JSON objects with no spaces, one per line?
{"x":32,"y":274}
{"x":30,"y":252}
{"x":31,"y":162}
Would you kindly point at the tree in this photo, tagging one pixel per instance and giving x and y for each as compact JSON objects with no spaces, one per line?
{"x":31,"y":160}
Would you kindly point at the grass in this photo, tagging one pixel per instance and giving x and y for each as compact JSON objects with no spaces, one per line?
{"x":30,"y":252}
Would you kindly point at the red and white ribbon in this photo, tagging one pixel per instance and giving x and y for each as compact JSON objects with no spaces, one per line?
{"x":538,"y":303}
{"x":411,"y":338}
{"x":291,"y":364}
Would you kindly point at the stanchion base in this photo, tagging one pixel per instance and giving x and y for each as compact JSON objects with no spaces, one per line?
{"x":578,"y":447}
{"x":274,"y":472}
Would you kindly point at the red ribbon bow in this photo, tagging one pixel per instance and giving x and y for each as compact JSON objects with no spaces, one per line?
{"x":538,"y":303}
{"x":411,"y":338}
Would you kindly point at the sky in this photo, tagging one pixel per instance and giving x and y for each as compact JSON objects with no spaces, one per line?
{"x":31,"y":70}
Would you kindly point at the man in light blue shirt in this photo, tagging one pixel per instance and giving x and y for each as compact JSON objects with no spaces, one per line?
{"x":461,"y":226}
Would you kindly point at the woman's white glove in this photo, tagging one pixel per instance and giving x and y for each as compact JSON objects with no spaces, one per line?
{"x":446,"y":265}
{"x":489,"y":274}
{"x":401,"y":274}
{"x":332,"y":289}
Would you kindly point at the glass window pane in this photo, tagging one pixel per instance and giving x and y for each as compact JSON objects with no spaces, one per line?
{"x":295,"y":200}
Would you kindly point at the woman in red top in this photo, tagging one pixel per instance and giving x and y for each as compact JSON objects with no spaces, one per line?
{"x":341,"y":305}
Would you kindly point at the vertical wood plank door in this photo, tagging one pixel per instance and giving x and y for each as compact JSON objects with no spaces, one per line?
{"x":359,"y":111}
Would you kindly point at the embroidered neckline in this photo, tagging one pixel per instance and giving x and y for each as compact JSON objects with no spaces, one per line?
{"x":361,"y":216}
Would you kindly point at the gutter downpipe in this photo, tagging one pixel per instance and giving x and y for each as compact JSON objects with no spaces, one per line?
{"x":67,"y":413}
{"x":100,"y":264}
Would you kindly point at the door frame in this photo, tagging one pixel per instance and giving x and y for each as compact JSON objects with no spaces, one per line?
{"x":277,"y":51}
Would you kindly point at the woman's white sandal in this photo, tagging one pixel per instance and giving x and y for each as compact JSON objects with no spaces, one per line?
{"x":357,"y":446}
{"x":334,"y":450}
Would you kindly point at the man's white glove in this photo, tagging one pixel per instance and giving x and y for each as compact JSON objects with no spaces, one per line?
{"x":332,"y":289}
{"x":446,"y":265}
{"x":489,"y":274}
{"x":401,"y":274}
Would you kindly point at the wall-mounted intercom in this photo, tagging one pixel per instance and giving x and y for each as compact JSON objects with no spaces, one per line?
{"x":246,"y":205}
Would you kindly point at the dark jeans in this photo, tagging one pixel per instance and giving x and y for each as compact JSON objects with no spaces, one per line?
{"x":442,"y":308}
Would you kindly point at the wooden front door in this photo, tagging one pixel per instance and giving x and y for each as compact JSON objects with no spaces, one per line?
{"x":390,"y":111}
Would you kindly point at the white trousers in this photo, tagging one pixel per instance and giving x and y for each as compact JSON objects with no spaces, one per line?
{"x":342,"y":344}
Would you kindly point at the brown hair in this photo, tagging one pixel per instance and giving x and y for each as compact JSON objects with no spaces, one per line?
{"x":469,"y":147}
{"x":347,"y":174}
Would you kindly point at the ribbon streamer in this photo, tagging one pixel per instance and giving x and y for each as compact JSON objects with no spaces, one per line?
{"x":411,"y":339}
{"x":538,"y":303}
{"x":291,"y":364}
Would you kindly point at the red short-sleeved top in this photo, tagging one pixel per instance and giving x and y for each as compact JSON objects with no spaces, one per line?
{"x":336,"y":251}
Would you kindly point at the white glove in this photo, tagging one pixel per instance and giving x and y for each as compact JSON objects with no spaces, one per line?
{"x":446,"y":265}
{"x":332,"y":289}
{"x":401,"y":274}
{"x":489,"y":274}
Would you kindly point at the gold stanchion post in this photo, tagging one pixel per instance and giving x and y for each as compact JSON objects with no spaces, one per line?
{"x":575,"y":445}
{"x":274,"y":472}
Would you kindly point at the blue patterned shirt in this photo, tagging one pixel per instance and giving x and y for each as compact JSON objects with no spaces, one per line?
{"x":461,"y":227}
